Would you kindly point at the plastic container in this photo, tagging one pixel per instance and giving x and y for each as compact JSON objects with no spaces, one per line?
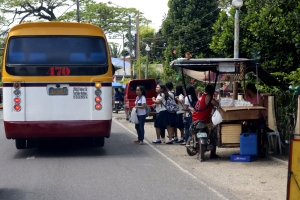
{"x":226,"y":102}
{"x":242,"y":158}
{"x":248,"y":144}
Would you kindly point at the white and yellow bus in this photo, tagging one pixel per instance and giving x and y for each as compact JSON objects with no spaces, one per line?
{"x":56,"y":82}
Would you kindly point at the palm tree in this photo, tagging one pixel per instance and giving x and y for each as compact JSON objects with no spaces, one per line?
{"x":115,"y":50}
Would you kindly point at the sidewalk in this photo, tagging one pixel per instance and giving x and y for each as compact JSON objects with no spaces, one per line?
{"x":264,"y":178}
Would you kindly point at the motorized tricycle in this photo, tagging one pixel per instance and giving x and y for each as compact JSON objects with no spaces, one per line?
{"x":217,"y":70}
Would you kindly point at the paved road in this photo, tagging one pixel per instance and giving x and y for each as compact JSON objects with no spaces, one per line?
{"x":70,"y":169}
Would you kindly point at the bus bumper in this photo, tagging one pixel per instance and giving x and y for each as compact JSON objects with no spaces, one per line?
{"x":57,"y":129}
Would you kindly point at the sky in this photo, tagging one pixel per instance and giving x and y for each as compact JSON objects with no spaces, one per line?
{"x":153,"y":10}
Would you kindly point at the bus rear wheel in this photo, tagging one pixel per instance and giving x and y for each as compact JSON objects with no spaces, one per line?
{"x":99,"y":141}
{"x":20,"y":143}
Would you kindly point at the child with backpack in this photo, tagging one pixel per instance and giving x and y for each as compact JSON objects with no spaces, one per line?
{"x":172,"y":115}
{"x":162,"y":117}
{"x":179,"y":96}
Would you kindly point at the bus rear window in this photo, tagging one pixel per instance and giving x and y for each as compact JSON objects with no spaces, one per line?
{"x":37,"y":56}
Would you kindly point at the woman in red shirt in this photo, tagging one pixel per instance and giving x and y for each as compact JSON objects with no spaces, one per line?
{"x":203,"y":110}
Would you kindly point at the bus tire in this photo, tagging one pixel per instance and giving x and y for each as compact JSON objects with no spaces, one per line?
{"x":20,"y":143}
{"x":32,"y":143}
{"x":99,"y":141}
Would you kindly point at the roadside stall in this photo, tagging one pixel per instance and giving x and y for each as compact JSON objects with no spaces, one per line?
{"x":234,"y":112}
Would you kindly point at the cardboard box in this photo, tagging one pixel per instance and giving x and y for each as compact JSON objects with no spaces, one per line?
{"x":241,"y":158}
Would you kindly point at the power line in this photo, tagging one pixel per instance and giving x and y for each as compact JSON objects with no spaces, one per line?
{"x":67,"y":9}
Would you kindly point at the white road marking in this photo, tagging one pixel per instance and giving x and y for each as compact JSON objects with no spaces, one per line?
{"x":177,"y":165}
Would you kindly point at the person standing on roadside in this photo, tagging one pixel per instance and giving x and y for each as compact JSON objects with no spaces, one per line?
{"x":189,"y":103}
{"x":172,"y":116}
{"x":140,"y":105}
{"x":179,"y":97}
{"x":162,"y":117}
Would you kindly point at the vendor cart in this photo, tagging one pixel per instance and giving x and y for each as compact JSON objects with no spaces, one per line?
{"x":230,"y":129}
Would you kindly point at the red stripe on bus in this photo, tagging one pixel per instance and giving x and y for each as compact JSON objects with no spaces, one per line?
{"x":57,"y":129}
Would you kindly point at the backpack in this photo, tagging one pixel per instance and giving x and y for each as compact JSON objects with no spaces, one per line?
{"x":171,"y":105}
{"x":148,"y":110}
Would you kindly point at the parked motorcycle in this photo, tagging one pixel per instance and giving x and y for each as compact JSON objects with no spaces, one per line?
{"x":201,"y":139}
{"x":117,"y":105}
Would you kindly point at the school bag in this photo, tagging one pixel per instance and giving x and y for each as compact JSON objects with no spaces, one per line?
{"x":171,"y":105}
{"x":148,"y":110}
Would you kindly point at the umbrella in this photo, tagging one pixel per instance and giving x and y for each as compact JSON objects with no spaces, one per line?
{"x":119,"y":62}
{"x":206,"y":76}
{"x":117,"y":85}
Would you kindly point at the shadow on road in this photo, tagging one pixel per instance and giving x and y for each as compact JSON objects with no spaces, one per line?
{"x":12,"y":194}
{"x":119,"y":145}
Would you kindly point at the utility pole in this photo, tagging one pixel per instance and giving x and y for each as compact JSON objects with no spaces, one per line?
{"x":138,"y":42}
{"x":147,"y":60}
{"x":237,"y":4}
{"x":78,"y":17}
{"x":123,"y":58}
{"x":130,"y":45}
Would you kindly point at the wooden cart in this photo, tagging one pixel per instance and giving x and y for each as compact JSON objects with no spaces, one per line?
{"x":230,"y":129}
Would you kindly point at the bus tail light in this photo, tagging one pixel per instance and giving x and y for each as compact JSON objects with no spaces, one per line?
{"x":98,"y":98}
{"x":17,"y":100}
{"x":17,"y":85}
{"x":98,"y":106}
{"x":17,"y":108}
{"x":97,"y":84}
{"x":17,"y":94}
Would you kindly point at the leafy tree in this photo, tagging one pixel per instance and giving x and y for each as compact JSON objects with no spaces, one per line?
{"x":268,"y":31}
{"x":42,"y":10}
{"x":158,"y":45}
{"x":146,"y":32}
{"x":188,"y":29}
{"x":113,"y":20}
